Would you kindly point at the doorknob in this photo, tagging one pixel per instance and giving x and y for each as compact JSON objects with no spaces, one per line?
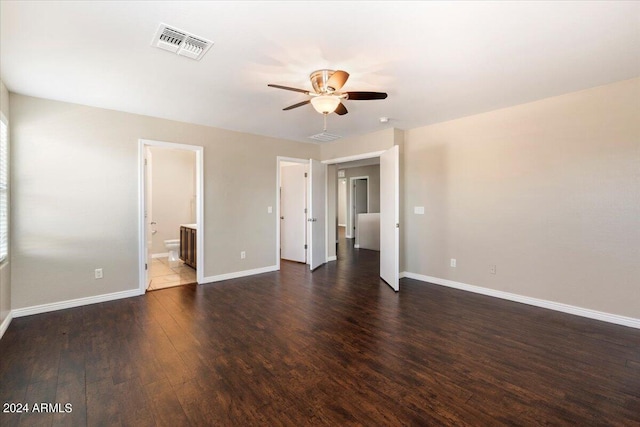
{"x":153,"y":223}
{"x":281,"y":217}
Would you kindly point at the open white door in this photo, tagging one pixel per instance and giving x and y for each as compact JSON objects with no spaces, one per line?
{"x":317,"y":200}
{"x":148,"y":214}
{"x":390,"y":217}
{"x":293,"y":225}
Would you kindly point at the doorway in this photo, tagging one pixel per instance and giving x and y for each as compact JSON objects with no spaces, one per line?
{"x":389,"y":208}
{"x":171,"y":183}
{"x":315,"y":219}
{"x":292,"y":231}
{"x":293,"y":211}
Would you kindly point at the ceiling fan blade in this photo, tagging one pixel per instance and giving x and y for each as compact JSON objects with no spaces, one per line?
{"x":364,"y":96}
{"x":299,"y":104}
{"x":337,"y":80}
{"x":306,"y":92}
{"x":341,"y":110}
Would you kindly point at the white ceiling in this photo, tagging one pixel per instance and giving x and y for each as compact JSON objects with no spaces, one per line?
{"x":436,"y":60}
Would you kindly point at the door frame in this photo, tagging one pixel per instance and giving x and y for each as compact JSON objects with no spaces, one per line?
{"x":142,"y":223}
{"x":370,"y":155}
{"x":346,"y":204}
{"x":279,"y":160}
{"x":352,"y":216}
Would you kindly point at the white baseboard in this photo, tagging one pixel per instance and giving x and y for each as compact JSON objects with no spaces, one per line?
{"x":332,"y":258}
{"x":551,"y":305}
{"x":161,"y":255}
{"x":5,"y":323}
{"x":44,"y":308}
{"x":342,"y":225}
{"x":356,"y":246}
{"x":237,"y":274}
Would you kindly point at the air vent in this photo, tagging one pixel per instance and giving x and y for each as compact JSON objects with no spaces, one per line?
{"x":324,"y":137}
{"x":180,"y":42}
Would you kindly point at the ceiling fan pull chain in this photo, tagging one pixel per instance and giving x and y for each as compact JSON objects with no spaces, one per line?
{"x":325,"y":122}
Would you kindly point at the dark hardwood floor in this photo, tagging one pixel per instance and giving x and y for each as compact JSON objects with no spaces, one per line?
{"x":333,"y":347}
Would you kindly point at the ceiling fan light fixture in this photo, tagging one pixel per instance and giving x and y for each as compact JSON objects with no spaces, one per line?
{"x":325,"y":104}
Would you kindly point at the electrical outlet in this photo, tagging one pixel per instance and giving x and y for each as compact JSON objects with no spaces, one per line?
{"x":492,"y":269}
{"x":243,"y":255}
{"x":453,"y":262}
{"x":98,"y":273}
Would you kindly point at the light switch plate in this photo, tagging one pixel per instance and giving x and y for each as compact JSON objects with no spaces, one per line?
{"x":269,"y":209}
{"x":418,"y":210}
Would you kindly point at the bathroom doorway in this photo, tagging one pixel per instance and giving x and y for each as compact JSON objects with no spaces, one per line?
{"x":170,"y":209}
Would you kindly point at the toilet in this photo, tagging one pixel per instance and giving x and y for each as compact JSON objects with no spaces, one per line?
{"x":173,"y":246}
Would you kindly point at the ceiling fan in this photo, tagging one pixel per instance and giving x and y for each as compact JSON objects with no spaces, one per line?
{"x":326,"y":98}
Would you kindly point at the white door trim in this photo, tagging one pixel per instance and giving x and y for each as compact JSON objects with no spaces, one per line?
{"x":351,"y":218}
{"x":142,"y":238}
{"x":370,"y":155}
{"x":317,"y":181}
{"x":280,"y":159}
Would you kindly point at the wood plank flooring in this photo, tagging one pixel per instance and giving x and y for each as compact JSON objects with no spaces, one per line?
{"x":333,"y":347}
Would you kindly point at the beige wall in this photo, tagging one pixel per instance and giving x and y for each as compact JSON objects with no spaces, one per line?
{"x":76,"y":197}
{"x":173,"y":192}
{"x":5,"y":267}
{"x":362,"y":144}
{"x":373,"y":172}
{"x":548,"y":191}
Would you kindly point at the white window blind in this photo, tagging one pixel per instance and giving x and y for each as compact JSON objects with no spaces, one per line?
{"x":4,"y":190}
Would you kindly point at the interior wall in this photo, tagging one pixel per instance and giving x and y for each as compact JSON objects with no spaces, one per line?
{"x":361,"y":144}
{"x":373,"y":172}
{"x":548,"y":192}
{"x":5,"y":267}
{"x":76,"y":201}
{"x":173,"y":193}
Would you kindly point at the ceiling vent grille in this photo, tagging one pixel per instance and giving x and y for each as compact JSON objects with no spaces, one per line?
{"x":180,"y":42}
{"x":324,"y":137}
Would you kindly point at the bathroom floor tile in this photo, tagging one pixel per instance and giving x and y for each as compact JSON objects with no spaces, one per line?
{"x":166,"y":274}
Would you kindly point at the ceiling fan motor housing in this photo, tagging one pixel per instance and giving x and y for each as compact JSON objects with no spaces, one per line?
{"x":319,"y":80}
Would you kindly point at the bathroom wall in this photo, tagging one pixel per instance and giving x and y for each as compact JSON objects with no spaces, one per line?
{"x":173,"y":192}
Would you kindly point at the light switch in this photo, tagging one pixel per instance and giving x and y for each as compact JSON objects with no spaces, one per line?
{"x":269,"y":209}
{"x":418,"y":210}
